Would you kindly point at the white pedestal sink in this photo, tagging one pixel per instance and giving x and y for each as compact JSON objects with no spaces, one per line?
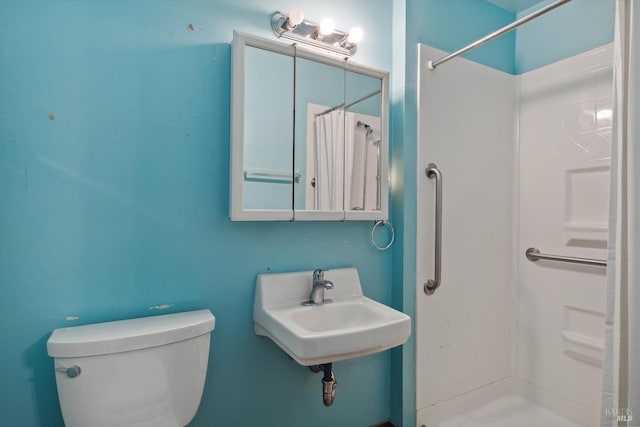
{"x":350,"y":326}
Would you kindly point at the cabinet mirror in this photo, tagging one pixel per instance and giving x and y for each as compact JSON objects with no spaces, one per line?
{"x":309,"y":135}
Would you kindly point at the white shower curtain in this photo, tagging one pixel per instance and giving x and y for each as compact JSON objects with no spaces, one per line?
{"x":621,"y":381}
{"x":371,"y":172}
{"x":346,"y":157}
{"x":357,"y":178}
{"x":364,"y":185}
{"x":329,"y":147}
{"x":351,"y":140}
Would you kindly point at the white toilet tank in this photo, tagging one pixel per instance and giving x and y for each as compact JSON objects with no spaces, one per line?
{"x":132,"y":373}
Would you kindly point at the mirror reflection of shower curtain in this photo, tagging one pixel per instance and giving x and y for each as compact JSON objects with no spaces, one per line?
{"x":347,"y":163}
{"x":363,"y":194}
{"x":621,"y":381}
{"x":329,"y":150}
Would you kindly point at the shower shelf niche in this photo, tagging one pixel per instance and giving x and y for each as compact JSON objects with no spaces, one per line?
{"x":587,"y":202}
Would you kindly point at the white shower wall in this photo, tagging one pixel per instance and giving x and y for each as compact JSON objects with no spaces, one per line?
{"x":466,"y":127}
{"x":565,"y":144}
{"x":525,"y":163}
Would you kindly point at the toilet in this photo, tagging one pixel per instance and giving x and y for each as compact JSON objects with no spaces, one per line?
{"x":145,"y":372}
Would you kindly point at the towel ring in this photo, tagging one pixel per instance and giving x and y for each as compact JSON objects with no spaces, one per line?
{"x":373,"y":239}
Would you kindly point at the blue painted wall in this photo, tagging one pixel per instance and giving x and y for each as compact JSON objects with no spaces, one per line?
{"x":573,"y":28}
{"x":114,"y":154}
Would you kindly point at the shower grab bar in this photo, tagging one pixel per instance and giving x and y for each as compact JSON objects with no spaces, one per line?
{"x":533,"y":254}
{"x":431,"y":285}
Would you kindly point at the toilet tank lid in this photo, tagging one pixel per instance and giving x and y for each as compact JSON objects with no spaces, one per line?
{"x":130,"y":334}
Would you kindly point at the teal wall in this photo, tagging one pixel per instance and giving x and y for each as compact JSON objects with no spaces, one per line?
{"x":114,"y":166}
{"x":575,"y":27}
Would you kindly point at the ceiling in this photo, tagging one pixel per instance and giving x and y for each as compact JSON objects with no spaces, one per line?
{"x":515,"y":6}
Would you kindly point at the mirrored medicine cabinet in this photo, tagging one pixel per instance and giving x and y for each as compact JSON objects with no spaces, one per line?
{"x":309,"y":135}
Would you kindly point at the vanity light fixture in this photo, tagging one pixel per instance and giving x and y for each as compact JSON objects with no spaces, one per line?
{"x":294,"y":19}
{"x":323,"y":35}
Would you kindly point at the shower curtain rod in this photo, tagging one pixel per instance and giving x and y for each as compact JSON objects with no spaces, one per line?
{"x":346,"y":107}
{"x":433,"y":64}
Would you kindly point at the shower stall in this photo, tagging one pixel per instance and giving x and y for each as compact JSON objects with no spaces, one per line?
{"x":509,"y":340}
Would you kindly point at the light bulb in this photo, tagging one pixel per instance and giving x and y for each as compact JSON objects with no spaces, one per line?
{"x":355,"y":35}
{"x":295,"y":17}
{"x":327,"y":26}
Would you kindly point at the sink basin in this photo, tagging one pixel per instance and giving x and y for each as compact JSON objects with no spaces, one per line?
{"x":350,"y":326}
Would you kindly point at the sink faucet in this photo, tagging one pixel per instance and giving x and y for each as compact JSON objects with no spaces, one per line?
{"x":317,"y":291}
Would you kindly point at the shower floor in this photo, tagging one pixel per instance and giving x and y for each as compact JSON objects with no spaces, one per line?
{"x":508,"y":411}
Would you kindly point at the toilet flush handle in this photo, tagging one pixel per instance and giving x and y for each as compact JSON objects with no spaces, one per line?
{"x":70,"y":372}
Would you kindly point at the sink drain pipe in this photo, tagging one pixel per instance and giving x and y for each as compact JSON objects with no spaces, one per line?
{"x":328,"y":382}
{"x":328,"y":385}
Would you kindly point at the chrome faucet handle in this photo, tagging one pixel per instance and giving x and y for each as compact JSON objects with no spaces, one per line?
{"x":318,"y":275}
{"x":319,"y":281}
{"x":317,"y":289}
